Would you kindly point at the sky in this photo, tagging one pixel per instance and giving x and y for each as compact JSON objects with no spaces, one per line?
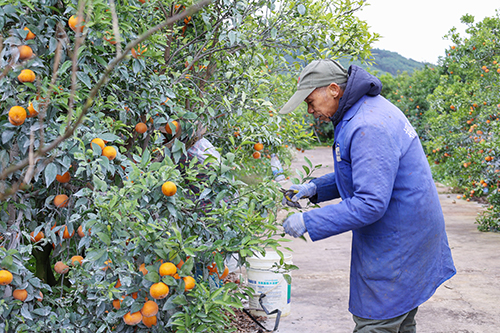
{"x":415,"y":29}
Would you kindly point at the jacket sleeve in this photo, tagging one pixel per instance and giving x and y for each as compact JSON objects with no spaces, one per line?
{"x":326,"y":188}
{"x":374,"y":161}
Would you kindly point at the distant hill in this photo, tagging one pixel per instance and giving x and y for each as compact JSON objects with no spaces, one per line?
{"x":386,"y":62}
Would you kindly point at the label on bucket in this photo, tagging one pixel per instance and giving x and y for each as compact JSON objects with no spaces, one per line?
{"x":276,"y":291}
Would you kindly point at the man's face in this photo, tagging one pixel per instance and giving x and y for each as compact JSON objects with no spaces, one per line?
{"x":323,"y":102}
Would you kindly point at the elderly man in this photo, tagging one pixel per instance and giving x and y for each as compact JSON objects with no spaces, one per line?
{"x":400,"y":253}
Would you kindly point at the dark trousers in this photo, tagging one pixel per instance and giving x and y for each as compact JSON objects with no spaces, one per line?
{"x":402,"y":324}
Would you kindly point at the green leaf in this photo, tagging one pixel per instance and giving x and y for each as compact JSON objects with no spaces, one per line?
{"x":50,"y":173}
{"x":83,"y":77}
{"x":153,"y":277}
{"x":7,"y":262}
{"x":104,"y":237}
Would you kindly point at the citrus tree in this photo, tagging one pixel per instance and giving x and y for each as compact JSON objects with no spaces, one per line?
{"x":129,"y":130}
{"x":460,"y":113}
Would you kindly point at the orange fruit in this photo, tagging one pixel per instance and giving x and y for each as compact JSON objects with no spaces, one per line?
{"x":117,"y":304}
{"x":169,"y":129}
{"x":25,"y":52}
{"x":158,"y":290}
{"x":17,"y":115}
{"x":256,"y":155}
{"x":61,"y":200}
{"x":61,"y":268}
{"x":141,"y":128}
{"x":76,"y":24}
{"x":168,"y":268}
{"x":149,"y":309}
{"x":179,"y":265}
{"x":258,"y":146}
{"x":132,"y":318}
{"x":107,"y":262}
{"x":143,"y":269}
{"x":63,"y":178}
{"x":137,"y":53}
{"x":20,"y":294}
{"x":149,"y":321}
{"x":118,"y":283}
{"x":76,"y":259}
{"x":81,"y":233}
{"x":40,"y":298}
{"x":26,"y":75}
{"x":108,"y":37}
{"x":30,"y":35}
{"x":32,"y":111}
{"x":5,"y":277}
{"x":189,"y":283}
{"x":134,"y":295}
{"x":66,"y":234}
{"x":212,"y":268}
{"x":98,"y":142}
{"x":38,"y":236}
{"x":225,"y":273}
{"x":169,"y":188}
{"x":109,"y":152}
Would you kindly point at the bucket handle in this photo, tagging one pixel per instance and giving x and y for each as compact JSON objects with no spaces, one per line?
{"x":277,"y":311}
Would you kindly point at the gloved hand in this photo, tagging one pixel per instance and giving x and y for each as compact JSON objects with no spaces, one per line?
{"x":294,"y":225}
{"x":305,"y":191}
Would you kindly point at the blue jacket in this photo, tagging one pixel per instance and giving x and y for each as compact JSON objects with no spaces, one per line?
{"x":400,"y":252}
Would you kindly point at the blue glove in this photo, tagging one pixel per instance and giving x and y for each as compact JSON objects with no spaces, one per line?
{"x":304,"y":191}
{"x":294,"y":225}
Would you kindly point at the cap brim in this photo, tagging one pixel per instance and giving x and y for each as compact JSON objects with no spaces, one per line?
{"x":295,"y":100}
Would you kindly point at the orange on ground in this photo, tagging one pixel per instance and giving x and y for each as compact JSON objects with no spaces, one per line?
{"x":98,"y":142}
{"x":143,"y":269}
{"x":76,"y":24}
{"x":66,"y":234}
{"x":25,"y":52}
{"x":20,"y":294}
{"x":76,"y":259}
{"x":132,"y":318}
{"x":32,"y":111}
{"x":109,"y":152}
{"x":149,"y":309}
{"x":38,"y":236}
{"x":26,"y":75}
{"x":17,"y":115}
{"x":5,"y":277}
{"x":189,"y":283}
{"x":64,"y":178}
{"x":141,"y":128}
{"x":168,"y":268}
{"x":117,"y":304}
{"x":258,"y":146}
{"x":159,"y":290}
{"x":30,"y":35}
{"x":174,"y":123}
{"x":149,"y":321}
{"x":61,"y":268}
{"x":169,"y":188}
{"x":61,"y":200}
{"x":256,"y":155}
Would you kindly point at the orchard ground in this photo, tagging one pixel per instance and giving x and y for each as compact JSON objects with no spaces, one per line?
{"x":465,"y":303}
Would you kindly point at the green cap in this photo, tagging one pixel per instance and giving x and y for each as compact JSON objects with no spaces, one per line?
{"x":319,"y":73}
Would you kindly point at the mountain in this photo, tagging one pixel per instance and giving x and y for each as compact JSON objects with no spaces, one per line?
{"x":385,"y":62}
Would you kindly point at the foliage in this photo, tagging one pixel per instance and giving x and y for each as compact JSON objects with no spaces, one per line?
{"x":457,"y":114}
{"x":216,"y":69}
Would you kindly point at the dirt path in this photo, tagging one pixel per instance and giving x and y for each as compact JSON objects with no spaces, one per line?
{"x":467,"y":303}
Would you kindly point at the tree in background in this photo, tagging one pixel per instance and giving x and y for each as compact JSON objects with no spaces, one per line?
{"x":109,"y":222}
{"x":455,"y":108}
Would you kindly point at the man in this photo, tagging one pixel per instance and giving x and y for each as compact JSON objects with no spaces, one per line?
{"x":400,"y":253}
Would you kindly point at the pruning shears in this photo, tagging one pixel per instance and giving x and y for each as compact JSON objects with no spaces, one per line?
{"x":288,"y":194}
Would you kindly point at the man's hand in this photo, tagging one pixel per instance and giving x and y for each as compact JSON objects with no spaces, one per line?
{"x":305,"y":191}
{"x":294,"y":225}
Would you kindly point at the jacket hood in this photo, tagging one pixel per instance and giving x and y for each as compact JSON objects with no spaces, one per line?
{"x":359,"y":84}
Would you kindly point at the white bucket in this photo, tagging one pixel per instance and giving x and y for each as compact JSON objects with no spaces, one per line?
{"x":262,"y":280}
